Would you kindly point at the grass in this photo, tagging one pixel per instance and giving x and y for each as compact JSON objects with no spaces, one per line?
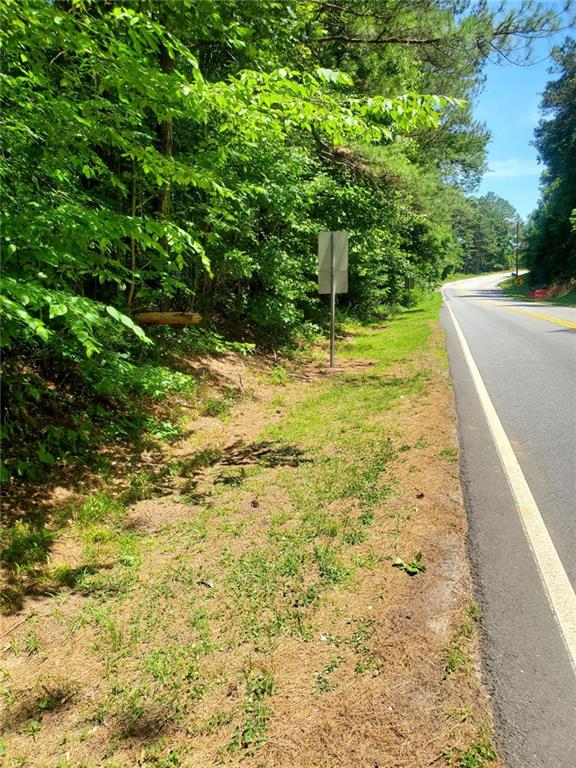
{"x":457,"y":653}
{"x":190,"y":627}
{"x":480,"y":754}
{"x":519,"y":292}
{"x":110,"y":555}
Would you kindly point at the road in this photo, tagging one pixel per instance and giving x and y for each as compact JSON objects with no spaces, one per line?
{"x":513,"y":366}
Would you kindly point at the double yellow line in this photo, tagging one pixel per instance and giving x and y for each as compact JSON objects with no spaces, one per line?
{"x":494,"y":303}
{"x":549,"y":318}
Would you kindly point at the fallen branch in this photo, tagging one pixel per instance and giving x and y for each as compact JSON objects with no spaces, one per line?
{"x":168,"y":318}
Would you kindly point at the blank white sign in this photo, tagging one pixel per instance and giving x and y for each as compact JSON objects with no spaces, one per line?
{"x":325,"y":258}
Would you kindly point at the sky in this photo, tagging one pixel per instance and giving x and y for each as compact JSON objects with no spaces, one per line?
{"x":509,"y":105}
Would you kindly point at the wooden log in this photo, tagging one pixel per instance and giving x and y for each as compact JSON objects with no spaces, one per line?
{"x":168,"y":318}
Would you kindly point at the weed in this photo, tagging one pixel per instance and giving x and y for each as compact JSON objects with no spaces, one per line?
{"x":108,"y":630}
{"x":100,"y":507}
{"x":367,"y":660}
{"x":323,"y":682}
{"x":155,"y":756}
{"x":251,"y":735}
{"x":33,"y":728}
{"x":412,"y":568}
{"x":129,"y":711}
{"x":459,"y":713}
{"x":354,"y":536}
{"x":478,"y":755}
{"x":278,"y":376}
{"x":455,"y":659}
{"x":474,"y":612}
{"x":215,"y":406}
{"x":233,"y":477}
{"x":109,"y":546}
{"x":25,"y":545}
{"x":31,"y":644}
{"x":206,"y":458}
{"x":331,"y":569}
{"x":465,"y":630}
{"x":55,"y":695}
{"x":163,"y":430}
{"x":307,"y":597}
{"x":367,"y":517}
{"x":175,"y":667}
{"x":260,"y":685}
{"x":140,"y":485}
{"x":220,"y":406}
{"x":449,"y":453}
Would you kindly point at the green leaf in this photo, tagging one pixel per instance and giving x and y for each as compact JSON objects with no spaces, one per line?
{"x":45,"y":456}
{"x":334,"y":76}
{"x":57,"y":310}
{"x":113,"y":312}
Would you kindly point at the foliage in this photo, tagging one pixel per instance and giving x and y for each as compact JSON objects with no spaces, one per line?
{"x":550,"y":249}
{"x":413,"y":567}
{"x":486,"y":231}
{"x":183,"y":155}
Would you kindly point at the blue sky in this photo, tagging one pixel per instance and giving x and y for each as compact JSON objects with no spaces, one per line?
{"x":509,"y":105}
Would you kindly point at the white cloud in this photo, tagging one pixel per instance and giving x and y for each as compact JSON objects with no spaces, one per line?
{"x":513,"y":168}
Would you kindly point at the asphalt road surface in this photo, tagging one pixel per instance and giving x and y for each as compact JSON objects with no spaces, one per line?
{"x":513,"y":365}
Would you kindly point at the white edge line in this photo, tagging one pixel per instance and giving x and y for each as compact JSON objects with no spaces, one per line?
{"x":557,"y":586}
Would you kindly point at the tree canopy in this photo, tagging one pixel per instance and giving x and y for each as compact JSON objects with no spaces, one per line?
{"x":183,"y":155}
{"x":551,"y":233}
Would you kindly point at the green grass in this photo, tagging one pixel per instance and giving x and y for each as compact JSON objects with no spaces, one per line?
{"x":456,"y":656}
{"x":567,"y":300}
{"x":519,"y":293}
{"x":478,"y":755}
{"x":407,"y":333}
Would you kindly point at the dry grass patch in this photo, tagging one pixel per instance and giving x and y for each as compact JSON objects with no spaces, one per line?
{"x":239,"y":604}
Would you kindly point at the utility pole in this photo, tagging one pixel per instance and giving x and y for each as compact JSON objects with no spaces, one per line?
{"x":517,"y":243}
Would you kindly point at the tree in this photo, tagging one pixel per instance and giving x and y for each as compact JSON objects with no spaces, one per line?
{"x":486,"y":230}
{"x":183,"y":155}
{"x":550,"y":250}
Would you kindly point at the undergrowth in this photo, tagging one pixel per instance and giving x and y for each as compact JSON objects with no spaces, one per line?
{"x":60,"y":411}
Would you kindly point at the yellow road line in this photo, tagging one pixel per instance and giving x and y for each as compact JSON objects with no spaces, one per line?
{"x":556,"y":583}
{"x":549,"y":318}
{"x":496,"y":303}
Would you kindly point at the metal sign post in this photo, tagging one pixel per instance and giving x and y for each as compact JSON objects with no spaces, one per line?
{"x":333,"y":274}
{"x":332,"y":297}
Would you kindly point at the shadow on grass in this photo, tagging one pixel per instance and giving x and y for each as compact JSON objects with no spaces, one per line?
{"x":266,"y":453}
{"x":32,"y":705}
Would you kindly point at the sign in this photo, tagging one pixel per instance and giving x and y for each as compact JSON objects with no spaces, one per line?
{"x":340,"y":262}
{"x":409,"y":283}
{"x":518,"y":281}
{"x":333,"y":274}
